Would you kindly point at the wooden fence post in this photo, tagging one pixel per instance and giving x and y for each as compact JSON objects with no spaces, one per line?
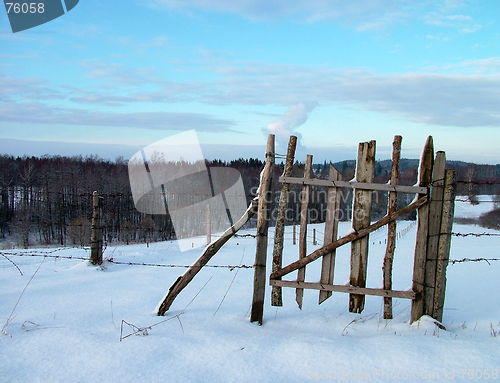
{"x":276,"y":294}
{"x":361,"y":219}
{"x":391,"y":230}
{"x":450,"y":188}
{"x":263,"y":215}
{"x":435,"y":218}
{"x":304,"y":215}
{"x":425,"y":176}
{"x":331,"y":232}
{"x":96,"y":239}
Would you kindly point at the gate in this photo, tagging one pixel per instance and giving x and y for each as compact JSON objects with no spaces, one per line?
{"x":434,"y":202}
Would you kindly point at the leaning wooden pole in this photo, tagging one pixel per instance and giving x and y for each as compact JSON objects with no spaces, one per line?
{"x":263,"y":216}
{"x":276,"y":294}
{"x":391,"y":230}
{"x":208,"y":253}
{"x":425,"y":176}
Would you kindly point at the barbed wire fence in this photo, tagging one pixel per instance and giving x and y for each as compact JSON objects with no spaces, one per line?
{"x":123,"y":224}
{"x":53,"y":253}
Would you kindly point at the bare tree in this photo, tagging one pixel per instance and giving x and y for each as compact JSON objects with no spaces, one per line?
{"x":146,"y":229}
{"x":470,"y":176}
{"x":127,"y":232}
{"x":79,"y":231}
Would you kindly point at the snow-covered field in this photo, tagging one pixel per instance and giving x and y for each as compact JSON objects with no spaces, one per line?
{"x":68,"y":323}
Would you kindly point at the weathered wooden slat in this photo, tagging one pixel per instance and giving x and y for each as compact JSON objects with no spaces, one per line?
{"x":450,"y":187}
{"x":435,"y":215}
{"x":304,"y":215}
{"x":263,"y":215}
{"x":425,"y":176}
{"x":331,"y":233}
{"x":354,"y":185}
{"x":345,"y":289}
{"x":328,"y":248}
{"x":361,"y":209}
{"x":276,"y":294}
{"x":391,"y":229}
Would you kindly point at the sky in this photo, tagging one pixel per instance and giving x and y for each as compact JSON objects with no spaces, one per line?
{"x":111,"y":77}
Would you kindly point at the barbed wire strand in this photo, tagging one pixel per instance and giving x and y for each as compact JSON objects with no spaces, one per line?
{"x":111,"y":260}
{"x":144,"y":330}
{"x":453,"y":261}
{"x":17,"y":267}
{"x":227,"y":291}
{"x":475,"y":234}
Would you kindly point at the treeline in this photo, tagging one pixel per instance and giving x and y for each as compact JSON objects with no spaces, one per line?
{"x":48,"y":200}
{"x":45,"y":200}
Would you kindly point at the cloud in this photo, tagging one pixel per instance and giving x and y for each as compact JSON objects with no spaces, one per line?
{"x":449,"y":5}
{"x":40,"y":113}
{"x":141,"y":47}
{"x":465,"y":100}
{"x":117,"y":74}
{"x":438,"y":99}
{"x":362,"y":15}
{"x":468,"y":98}
{"x":299,"y":10}
{"x":490,"y":65}
{"x":465,"y":24}
{"x":287,"y":125}
{"x":29,"y":88}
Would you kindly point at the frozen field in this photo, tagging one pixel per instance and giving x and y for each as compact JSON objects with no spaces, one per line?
{"x":68,"y":323}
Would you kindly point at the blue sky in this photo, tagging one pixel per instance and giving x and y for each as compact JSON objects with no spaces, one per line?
{"x":110,"y":77}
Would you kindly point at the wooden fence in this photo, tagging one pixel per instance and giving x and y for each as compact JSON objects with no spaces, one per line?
{"x":434,"y":204}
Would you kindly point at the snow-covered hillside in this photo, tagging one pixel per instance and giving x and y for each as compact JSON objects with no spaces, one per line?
{"x":68,"y":323}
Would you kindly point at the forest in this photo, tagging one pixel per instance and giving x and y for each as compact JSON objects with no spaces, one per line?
{"x":48,"y":200}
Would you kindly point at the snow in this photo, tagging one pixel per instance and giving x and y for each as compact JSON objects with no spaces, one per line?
{"x":350,"y":231}
{"x":261,"y":175}
{"x":464,"y":209}
{"x":67,"y":324}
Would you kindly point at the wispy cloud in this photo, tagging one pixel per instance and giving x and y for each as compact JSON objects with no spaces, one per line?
{"x":299,"y":10}
{"x":373,"y":15}
{"x":490,"y":65}
{"x":132,"y":43}
{"x":113,"y":74}
{"x":41,"y":113}
{"x":441,"y":99}
{"x":466,"y":98}
{"x":285,"y":126}
{"x":27,"y":88}
{"x":463,"y":23}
